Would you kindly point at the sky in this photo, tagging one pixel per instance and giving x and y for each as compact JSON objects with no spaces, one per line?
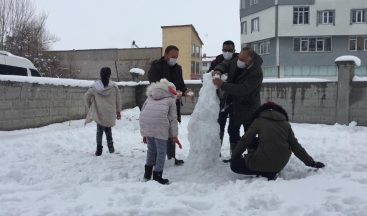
{"x":94,"y":24}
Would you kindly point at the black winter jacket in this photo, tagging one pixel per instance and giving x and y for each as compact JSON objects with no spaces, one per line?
{"x":243,"y":86}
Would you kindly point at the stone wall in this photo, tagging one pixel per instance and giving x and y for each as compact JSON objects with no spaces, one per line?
{"x":29,"y":105}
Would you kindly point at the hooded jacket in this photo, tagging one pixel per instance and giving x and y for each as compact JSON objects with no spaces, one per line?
{"x":103,"y":103}
{"x":158,"y":116}
{"x":276,"y":142}
{"x":242,"y":87}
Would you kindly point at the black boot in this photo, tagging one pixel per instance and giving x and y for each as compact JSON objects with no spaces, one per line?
{"x":99,"y":150}
{"x":179,"y":162}
{"x":148,"y":172}
{"x":157,"y":176}
{"x":111,"y":149}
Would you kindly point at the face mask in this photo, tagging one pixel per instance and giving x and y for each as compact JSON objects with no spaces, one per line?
{"x":241,"y":64}
{"x":227,"y":55}
{"x":172,"y":61}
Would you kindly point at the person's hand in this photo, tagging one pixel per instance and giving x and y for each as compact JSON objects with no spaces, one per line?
{"x":176,"y":141}
{"x":118,"y":115}
{"x":179,"y":94}
{"x":145,"y":140}
{"x":189,"y":93}
{"x":218,"y":82}
{"x":318,"y":165}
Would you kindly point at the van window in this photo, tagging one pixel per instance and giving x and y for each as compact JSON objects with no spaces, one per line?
{"x":11,"y":70}
{"x":35,"y":73}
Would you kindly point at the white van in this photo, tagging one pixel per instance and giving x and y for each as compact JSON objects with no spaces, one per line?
{"x":16,"y":65}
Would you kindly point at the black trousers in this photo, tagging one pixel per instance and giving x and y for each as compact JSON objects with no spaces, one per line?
{"x":171,"y":147}
{"x":108,"y":132}
{"x":222,"y":121}
{"x":239,"y":166}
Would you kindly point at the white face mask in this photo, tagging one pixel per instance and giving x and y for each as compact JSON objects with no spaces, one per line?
{"x":172,"y":61}
{"x":227,"y":55}
{"x":241,"y":64}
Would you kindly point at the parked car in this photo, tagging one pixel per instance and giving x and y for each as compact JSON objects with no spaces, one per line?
{"x":16,"y":65}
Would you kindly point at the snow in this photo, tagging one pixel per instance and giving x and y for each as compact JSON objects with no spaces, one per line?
{"x":53,"y":171}
{"x":57,"y":81}
{"x":137,"y":71}
{"x":355,"y":59}
{"x":295,"y":80}
{"x":203,"y":130}
{"x":359,"y":79}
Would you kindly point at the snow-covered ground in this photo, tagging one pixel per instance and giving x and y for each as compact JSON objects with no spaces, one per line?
{"x":53,"y":171}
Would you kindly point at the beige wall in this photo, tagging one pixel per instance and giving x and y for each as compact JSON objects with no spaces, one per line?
{"x":183,"y":37}
{"x":89,"y":62}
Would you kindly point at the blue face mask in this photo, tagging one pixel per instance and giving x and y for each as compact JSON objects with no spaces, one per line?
{"x":172,"y":61}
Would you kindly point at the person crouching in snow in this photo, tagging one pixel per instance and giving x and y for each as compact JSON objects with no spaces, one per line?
{"x":270,"y":151}
{"x":103,"y":100}
{"x":158,"y":123}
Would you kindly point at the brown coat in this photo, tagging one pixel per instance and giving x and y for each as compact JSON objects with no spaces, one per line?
{"x":276,"y":143}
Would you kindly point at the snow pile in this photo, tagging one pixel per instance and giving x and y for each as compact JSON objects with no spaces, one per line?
{"x":57,"y":81}
{"x":203,"y":129}
{"x":354,"y":59}
{"x":137,"y":71}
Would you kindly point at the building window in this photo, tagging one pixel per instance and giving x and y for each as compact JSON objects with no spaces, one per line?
{"x":192,"y":67}
{"x":244,"y":28}
{"x":193,"y":50}
{"x":205,"y":64}
{"x":322,"y":44}
{"x":197,"y":68}
{"x":359,"y":16}
{"x":261,"y":48}
{"x":357,"y":43}
{"x":255,"y":25}
{"x":197,"y":52}
{"x":264,"y":47}
{"x":253,"y":2}
{"x":255,"y":47}
{"x":301,"y":15}
{"x":243,"y":3}
{"x":326,"y":17}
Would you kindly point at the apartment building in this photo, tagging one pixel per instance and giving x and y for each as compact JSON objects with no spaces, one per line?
{"x":303,"y":37}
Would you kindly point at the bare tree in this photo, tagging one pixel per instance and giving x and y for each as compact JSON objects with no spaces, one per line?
{"x":24,"y":33}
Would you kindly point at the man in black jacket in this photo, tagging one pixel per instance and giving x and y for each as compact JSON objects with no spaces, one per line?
{"x":228,"y":54}
{"x":167,"y":67}
{"x":243,"y":86}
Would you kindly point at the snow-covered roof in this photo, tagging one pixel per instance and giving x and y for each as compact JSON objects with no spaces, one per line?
{"x":355,"y":59}
{"x":137,"y":71}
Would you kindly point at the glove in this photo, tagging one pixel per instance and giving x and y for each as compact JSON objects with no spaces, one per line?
{"x":118,"y":115}
{"x":145,"y":140}
{"x":176,"y":141}
{"x":318,"y":165}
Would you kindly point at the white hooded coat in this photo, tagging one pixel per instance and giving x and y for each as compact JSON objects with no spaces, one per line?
{"x":103,"y":103}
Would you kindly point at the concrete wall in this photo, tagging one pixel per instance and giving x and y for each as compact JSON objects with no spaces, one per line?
{"x":29,"y":105}
{"x":89,"y":62}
